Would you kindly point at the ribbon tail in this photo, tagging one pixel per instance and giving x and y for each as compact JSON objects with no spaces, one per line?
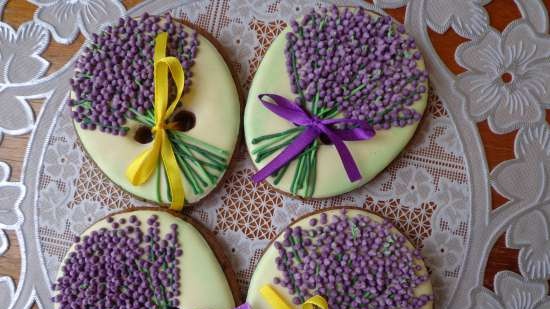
{"x":345,"y":155}
{"x":273,"y":298}
{"x":288,"y":154}
{"x":141,"y":169}
{"x":175,"y":182}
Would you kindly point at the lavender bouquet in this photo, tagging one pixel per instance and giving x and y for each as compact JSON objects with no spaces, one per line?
{"x":114,"y":83}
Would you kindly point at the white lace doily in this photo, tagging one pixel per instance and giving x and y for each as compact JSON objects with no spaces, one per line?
{"x":438,"y":192}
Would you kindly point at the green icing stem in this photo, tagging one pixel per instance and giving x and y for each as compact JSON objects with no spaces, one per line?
{"x":295,"y":179}
{"x":186,"y":173}
{"x":280,"y":174}
{"x":186,"y":149}
{"x":270,"y":136}
{"x":207,"y":154}
{"x":186,"y":154}
{"x":313,"y":175}
{"x":307,"y":173}
{"x":328,"y":113}
{"x":296,"y":182}
{"x":213,"y":149}
{"x":159,"y":198}
{"x":271,"y":151}
{"x":87,"y":104}
{"x":289,"y":137}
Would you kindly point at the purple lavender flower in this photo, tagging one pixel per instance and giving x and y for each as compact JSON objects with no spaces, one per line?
{"x":114,"y":75}
{"x":361,"y":64}
{"x":122,"y":267}
{"x":353,"y":262}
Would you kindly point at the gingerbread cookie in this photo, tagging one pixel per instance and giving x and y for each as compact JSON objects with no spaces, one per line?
{"x":337,"y":97}
{"x":120,"y":101}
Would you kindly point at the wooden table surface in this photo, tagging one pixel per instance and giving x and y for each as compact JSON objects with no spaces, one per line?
{"x":497,"y":147}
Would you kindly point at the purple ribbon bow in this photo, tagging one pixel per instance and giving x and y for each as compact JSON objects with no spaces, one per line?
{"x":294,"y":113}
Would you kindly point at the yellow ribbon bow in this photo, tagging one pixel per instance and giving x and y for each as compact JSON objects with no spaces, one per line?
{"x":277,"y":302}
{"x":141,"y":169}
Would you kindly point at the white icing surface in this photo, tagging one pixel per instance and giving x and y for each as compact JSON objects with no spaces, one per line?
{"x":200,"y":271}
{"x":371,"y":156}
{"x":266,"y":269}
{"x":213,"y":98}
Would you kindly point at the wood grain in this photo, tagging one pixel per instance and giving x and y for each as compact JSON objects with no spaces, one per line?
{"x":497,"y":147}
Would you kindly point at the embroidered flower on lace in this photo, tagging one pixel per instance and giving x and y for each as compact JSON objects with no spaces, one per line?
{"x":292,"y":210}
{"x":508,"y":81}
{"x":64,"y":18}
{"x":246,"y":9}
{"x":413,"y":186}
{"x":62,"y":161}
{"x":448,"y":139}
{"x":452,"y":211}
{"x":240,"y":41}
{"x":512,"y":291}
{"x":239,"y":248}
{"x":290,"y":8}
{"x":192,"y":10}
{"x":85,"y":214}
{"x":423,"y":136}
{"x":52,"y":265}
{"x":52,"y":205}
{"x":443,"y":287}
{"x":65,"y":128}
{"x":443,"y":251}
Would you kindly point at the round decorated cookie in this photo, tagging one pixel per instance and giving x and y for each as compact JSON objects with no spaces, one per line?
{"x":337,"y":97}
{"x":117,"y":111}
{"x":349,"y":257}
{"x":143,"y":259}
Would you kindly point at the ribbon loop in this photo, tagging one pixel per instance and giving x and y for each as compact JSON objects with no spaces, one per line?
{"x":142,"y":168}
{"x":294,"y":113}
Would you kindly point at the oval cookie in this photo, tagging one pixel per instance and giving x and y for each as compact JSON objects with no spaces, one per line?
{"x":113,"y":106}
{"x":144,"y":258}
{"x":350,"y":257}
{"x":323,"y":64}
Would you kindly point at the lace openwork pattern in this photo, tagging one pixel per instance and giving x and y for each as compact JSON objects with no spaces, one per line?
{"x":437,"y":192}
